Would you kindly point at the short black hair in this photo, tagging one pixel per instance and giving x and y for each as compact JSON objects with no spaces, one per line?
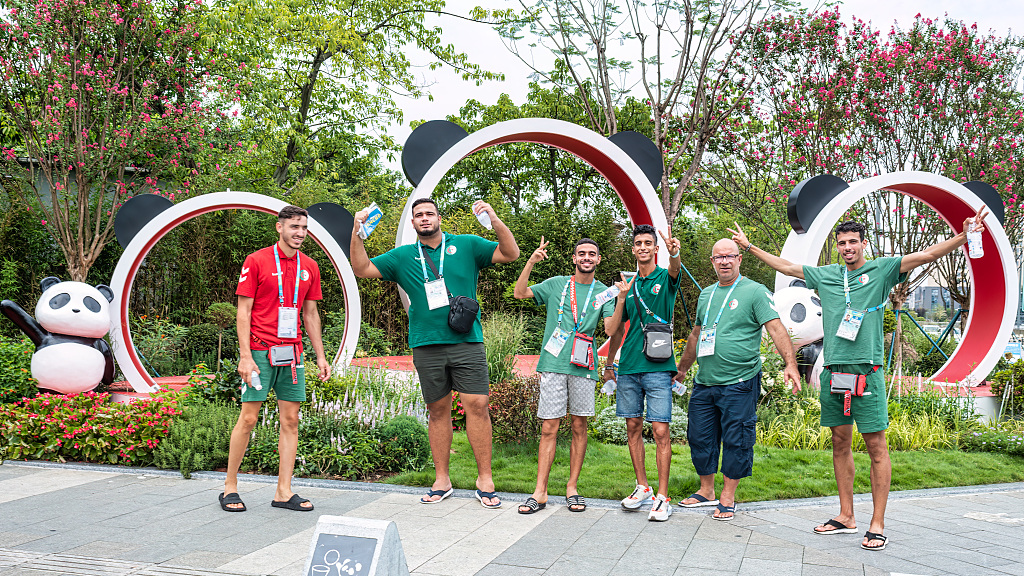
{"x":583,"y":241}
{"x":289,"y":212}
{"x":419,"y":201}
{"x":645,"y":229}
{"x":851,"y":226}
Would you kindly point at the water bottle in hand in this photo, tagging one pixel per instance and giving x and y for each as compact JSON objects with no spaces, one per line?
{"x":974,"y":243}
{"x":485,"y":219}
{"x":610,"y":294}
{"x":255,"y":381}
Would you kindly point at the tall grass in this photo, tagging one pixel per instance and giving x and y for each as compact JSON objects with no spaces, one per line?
{"x":907,"y":431}
{"x":504,"y":335}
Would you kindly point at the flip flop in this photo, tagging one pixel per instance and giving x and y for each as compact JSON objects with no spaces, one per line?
{"x":872,"y":536}
{"x":480,"y":495}
{"x":442,"y":493}
{"x":293,"y":503}
{"x":531,"y":506}
{"x":575,"y":500}
{"x":700,"y":501}
{"x":232,"y":498}
{"x":723,"y":509}
{"x":837,"y":528}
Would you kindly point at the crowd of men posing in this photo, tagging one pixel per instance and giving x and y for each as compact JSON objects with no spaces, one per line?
{"x":439,"y":274}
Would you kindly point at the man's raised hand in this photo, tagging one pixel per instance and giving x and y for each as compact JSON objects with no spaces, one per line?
{"x":976,"y":223}
{"x":671,"y":243}
{"x":738,"y":236}
{"x":541,"y":253}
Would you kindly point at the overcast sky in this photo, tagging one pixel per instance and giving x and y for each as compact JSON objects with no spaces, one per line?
{"x":485,"y":48}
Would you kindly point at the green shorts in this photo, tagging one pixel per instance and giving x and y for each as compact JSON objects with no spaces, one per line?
{"x":870,"y":412}
{"x":442,"y":368}
{"x":278,"y":379}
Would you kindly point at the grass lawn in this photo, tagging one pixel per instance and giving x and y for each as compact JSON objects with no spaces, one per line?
{"x":778,"y":473}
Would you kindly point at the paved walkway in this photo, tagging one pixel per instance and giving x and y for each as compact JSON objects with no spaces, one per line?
{"x":108,"y":521}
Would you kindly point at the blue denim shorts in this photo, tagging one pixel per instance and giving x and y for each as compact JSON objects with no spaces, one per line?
{"x":633,"y":389}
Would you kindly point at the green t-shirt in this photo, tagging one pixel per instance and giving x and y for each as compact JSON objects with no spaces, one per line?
{"x":737,"y":354}
{"x":465,"y":255}
{"x":658,"y":290}
{"x":549,"y":294}
{"x":869,"y":286}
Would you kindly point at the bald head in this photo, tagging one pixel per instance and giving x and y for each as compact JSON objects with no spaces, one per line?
{"x":726,"y":258}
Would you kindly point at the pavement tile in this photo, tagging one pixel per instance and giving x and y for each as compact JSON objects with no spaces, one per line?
{"x":814,"y":557}
{"x":712,"y":529}
{"x":533,"y":553}
{"x":493,"y":569}
{"x":781,"y":554}
{"x":762,"y":539}
{"x":202,"y":559}
{"x":713,"y":555}
{"x":575,"y":564}
{"x":762,"y":567}
{"x":813,"y":570}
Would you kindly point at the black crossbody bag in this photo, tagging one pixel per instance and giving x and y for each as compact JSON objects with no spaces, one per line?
{"x":657,"y":336}
{"x":462,"y":310}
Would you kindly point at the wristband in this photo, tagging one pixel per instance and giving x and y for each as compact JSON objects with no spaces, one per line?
{"x":676,"y":255}
{"x":749,"y":246}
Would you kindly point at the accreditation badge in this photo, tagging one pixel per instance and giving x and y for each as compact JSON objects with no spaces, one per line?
{"x":437,"y":293}
{"x":556,"y":342}
{"x":850,"y":325}
{"x":287,"y":322}
{"x":706,"y":343}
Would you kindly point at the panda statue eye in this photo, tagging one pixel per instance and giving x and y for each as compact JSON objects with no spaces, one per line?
{"x":91,"y":304}
{"x":816,"y":301}
{"x":798,"y":312}
{"x":60,"y":300}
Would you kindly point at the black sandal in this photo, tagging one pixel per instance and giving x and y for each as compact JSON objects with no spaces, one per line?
{"x":232,"y":498}
{"x":531,"y":506}
{"x":872,"y":536}
{"x":575,"y":500}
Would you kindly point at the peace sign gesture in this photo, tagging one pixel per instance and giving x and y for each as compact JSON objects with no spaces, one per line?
{"x":541,"y":253}
{"x":975,"y":224}
{"x":671,"y":243}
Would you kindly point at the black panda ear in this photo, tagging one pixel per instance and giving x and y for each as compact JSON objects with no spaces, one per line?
{"x":106,"y":291}
{"x":428,"y":142}
{"x":336,"y":220}
{"x":798,"y":283}
{"x":136,"y":213}
{"x":643,"y":151}
{"x":809,"y":197}
{"x":49,"y":281}
{"x":990,"y":196}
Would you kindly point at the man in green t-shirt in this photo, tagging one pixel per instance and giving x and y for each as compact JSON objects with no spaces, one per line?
{"x":853,"y":295}
{"x":726,"y":344}
{"x":567,"y":365}
{"x":645,"y":372}
{"x":445,"y":360}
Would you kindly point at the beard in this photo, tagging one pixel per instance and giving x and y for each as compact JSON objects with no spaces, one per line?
{"x":428,"y":232}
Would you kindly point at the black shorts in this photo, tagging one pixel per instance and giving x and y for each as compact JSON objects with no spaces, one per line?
{"x":445,"y":367}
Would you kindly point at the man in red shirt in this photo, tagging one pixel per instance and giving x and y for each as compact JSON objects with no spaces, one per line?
{"x":276,"y":283}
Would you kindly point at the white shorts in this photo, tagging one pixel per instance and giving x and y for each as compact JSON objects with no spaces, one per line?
{"x":559,"y":390}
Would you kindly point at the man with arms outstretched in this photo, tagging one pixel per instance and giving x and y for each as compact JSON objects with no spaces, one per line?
{"x":445,"y":360}
{"x":853,"y":296}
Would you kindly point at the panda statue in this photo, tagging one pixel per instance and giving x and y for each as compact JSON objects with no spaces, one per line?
{"x":800,"y":312}
{"x":71,"y":320}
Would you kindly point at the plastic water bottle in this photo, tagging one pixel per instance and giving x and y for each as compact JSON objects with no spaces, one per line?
{"x":373,"y":218}
{"x":255,"y":381}
{"x":974,"y":244}
{"x":485,"y":219}
{"x":679,"y":388}
{"x":606,"y":296}
{"x":609,"y":388}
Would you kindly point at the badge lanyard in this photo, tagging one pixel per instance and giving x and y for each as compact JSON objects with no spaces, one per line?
{"x":423,"y":263}
{"x":706,"y":344}
{"x":724,"y":303}
{"x":846,"y":289}
{"x":280,"y":282}
{"x":849,"y":327}
{"x":436,"y":291}
{"x":641,"y":299}
{"x":572,"y":302}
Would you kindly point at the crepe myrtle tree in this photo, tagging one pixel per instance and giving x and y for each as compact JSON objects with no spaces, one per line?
{"x":105,"y":98}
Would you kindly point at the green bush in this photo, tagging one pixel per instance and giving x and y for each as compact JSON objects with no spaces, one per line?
{"x":1006,"y":437}
{"x":1014,"y":374}
{"x":611,"y":429}
{"x":503,"y":340}
{"x":202,"y":338}
{"x":16,"y":380}
{"x":86,"y":427}
{"x":405,"y":444}
{"x":223,"y":387}
{"x":198,"y":438}
{"x":513,"y":407}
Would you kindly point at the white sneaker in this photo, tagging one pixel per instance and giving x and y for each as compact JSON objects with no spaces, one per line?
{"x":660,"y":510}
{"x":640,"y":495}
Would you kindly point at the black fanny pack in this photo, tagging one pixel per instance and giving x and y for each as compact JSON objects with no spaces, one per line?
{"x":462,"y":310}
{"x":657,"y":341}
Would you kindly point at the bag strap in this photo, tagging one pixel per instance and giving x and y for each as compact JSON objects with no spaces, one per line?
{"x":433,"y":268}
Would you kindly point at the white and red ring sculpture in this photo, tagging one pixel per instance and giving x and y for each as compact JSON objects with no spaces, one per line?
{"x":128,"y":266}
{"x":994,"y":283}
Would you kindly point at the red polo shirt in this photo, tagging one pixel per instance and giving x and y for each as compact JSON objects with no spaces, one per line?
{"x":258,"y":281}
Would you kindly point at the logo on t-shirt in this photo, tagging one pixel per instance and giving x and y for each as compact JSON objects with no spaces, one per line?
{"x":242,"y":279}
{"x":450,"y":250}
{"x":863,"y":279}
{"x":656,"y":288}
{"x":733,"y":304}
{"x":304,"y":275}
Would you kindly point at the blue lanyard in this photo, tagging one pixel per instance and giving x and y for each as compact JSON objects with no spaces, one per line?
{"x":280,"y":282}
{"x":724,"y":302}
{"x":572,"y":303}
{"x":423,"y":262}
{"x":640,"y":298}
{"x":846,"y":288}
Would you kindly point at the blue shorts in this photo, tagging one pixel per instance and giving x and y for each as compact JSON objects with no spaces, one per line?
{"x":726,"y":416}
{"x":633,"y":389}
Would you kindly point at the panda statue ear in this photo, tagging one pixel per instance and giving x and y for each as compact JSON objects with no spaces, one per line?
{"x":428,"y":142}
{"x":809,"y":197}
{"x":49,"y":281}
{"x":136,"y":213}
{"x":106,"y":291}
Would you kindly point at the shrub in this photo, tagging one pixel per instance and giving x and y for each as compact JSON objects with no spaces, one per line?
{"x":1007,"y":437}
{"x":198,"y":439}
{"x":224,"y":387}
{"x":513,"y":407}
{"x":86,"y":427}
{"x":159,"y":341}
{"x":404,"y":443}
{"x":611,"y":429}
{"x":504,"y":335}
{"x":202,"y":338}
{"x":16,"y":381}
{"x":1014,"y":374}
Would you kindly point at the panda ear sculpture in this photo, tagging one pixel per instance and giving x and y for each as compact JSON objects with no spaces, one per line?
{"x":809,"y":197}
{"x":428,"y":142}
{"x":106,"y":291}
{"x":337,"y":220}
{"x":643,"y":151}
{"x":136,"y":213}
{"x":990,"y":196}
{"x":49,"y":281}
